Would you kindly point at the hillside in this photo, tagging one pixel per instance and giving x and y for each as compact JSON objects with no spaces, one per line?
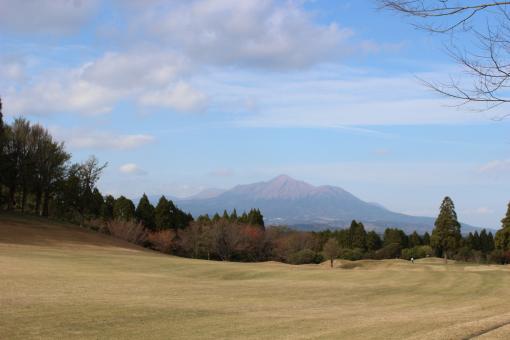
{"x":60,"y":281}
{"x":284,"y":200}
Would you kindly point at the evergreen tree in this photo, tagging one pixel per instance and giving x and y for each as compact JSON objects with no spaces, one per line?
{"x":2,"y":159}
{"x":470,"y":241}
{"x":395,"y":236}
{"x":233,"y":216}
{"x":477,"y":244}
{"x":216,"y":217}
{"x":358,"y":235}
{"x":123,"y":209}
{"x":107,"y":208}
{"x":244,"y":218}
{"x":97,"y":203}
{"x":145,"y":213}
{"x":204,"y":219}
{"x":374,"y":241}
{"x":225,"y":216}
{"x":414,"y":240}
{"x":486,"y":242}
{"x":426,"y":239}
{"x":446,"y":235}
{"x":502,"y":239}
{"x":163,"y":215}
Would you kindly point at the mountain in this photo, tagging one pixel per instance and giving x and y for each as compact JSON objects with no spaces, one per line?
{"x":284,"y":200}
{"x":205,"y":194}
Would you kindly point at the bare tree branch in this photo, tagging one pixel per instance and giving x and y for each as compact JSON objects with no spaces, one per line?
{"x":485,"y":55}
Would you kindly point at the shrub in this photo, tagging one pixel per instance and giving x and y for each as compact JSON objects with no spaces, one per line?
{"x":163,"y":241}
{"x":463,"y":254}
{"x":390,"y":251}
{"x":303,"y":257}
{"x":96,"y":225}
{"x":130,"y":231}
{"x":351,"y":254}
{"x":499,"y":256}
{"x":417,"y":252}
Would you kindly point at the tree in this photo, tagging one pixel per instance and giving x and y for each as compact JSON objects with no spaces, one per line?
{"x":395,"y":236}
{"x":123,"y":209}
{"x":163,"y":215}
{"x":145,"y":213}
{"x":414,"y":240}
{"x":107,"y":208}
{"x":2,"y":158}
{"x":331,"y":250}
{"x":357,"y":235}
{"x":478,"y":38}
{"x":374,"y":241}
{"x":426,"y":239}
{"x":502,"y":239}
{"x":446,"y":234}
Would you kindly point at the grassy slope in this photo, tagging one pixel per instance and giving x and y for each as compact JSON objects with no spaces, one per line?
{"x":59,"y":281}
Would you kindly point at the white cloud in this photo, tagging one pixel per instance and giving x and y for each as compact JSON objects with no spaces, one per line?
{"x":83,"y":139}
{"x":154,"y":79}
{"x":260,"y":33}
{"x":181,"y":97}
{"x":483,"y":211}
{"x":45,"y":16}
{"x":132,"y":169}
{"x":11,"y":69}
{"x":496,"y":167}
{"x":135,"y":70}
{"x":109,"y":141}
{"x":331,"y":96}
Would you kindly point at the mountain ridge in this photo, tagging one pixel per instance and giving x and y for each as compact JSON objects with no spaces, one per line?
{"x":284,"y":200}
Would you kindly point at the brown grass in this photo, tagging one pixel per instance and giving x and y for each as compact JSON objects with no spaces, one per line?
{"x":60,"y":282}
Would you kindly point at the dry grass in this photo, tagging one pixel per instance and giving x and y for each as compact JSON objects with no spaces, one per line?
{"x":60,"y":282}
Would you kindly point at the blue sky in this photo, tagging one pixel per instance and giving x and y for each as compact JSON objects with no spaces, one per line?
{"x":179,"y":96}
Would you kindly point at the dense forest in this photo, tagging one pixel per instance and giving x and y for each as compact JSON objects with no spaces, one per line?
{"x":38,"y":177}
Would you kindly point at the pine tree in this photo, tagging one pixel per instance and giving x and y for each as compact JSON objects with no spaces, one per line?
{"x":145,"y":213}
{"x":123,"y":209}
{"x":426,"y":239}
{"x":414,"y":240}
{"x":446,"y":235}
{"x":395,"y":236}
{"x":107,"y":208}
{"x":358,"y":235}
{"x":486,"y":242}
{"x":3,"y":161}
{"x":233,"y":216}
{"x":216,"y":217}
{"x":163,"y":215}
{"x":374,"y":241}
{"x":502,"y":239}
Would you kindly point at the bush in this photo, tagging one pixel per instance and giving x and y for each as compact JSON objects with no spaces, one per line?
{"x":463,"y":254}
{"x":499,"y":256}
{"x":162,"y":241}
{"x":417,"y":252}
{"x":391,"y":251}
{"x":303,"y":257}
{"x":130,"y":231}
{"x":351,"y":254}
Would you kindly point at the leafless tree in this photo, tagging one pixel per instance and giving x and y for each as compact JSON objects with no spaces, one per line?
{"x":478,"y":35}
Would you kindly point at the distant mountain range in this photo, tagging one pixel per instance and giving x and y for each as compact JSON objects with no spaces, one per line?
{"x":286,"y":201}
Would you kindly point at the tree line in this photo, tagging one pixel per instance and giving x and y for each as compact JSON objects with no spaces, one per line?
{"x":38,"y":177}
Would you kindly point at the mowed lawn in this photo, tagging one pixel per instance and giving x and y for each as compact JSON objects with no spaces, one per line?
{"x":61,"y":282}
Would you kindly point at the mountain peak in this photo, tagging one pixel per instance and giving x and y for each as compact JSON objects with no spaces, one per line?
{"x":282,"y":177}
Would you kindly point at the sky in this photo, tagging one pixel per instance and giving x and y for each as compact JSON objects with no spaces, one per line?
{"x":180,"y":96}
